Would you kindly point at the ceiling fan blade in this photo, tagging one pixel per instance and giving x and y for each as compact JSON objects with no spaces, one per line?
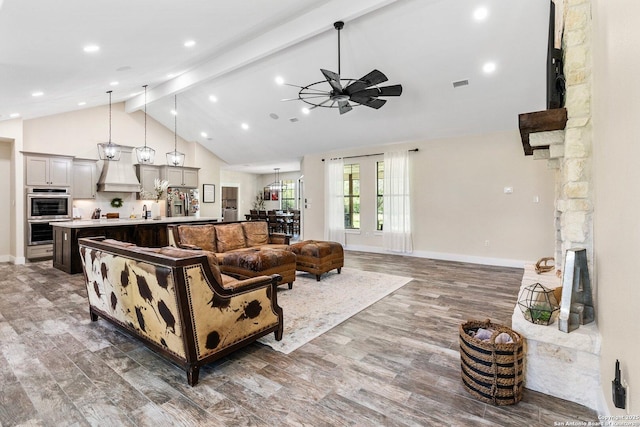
{"x":366,"y":93}
{"x":375,"y":103}
{"x":344,"y":107}
{"x":373,"y":78}
{"x":395,"y":90}
{"x":333,"y":79}
{"x":360,"y":98}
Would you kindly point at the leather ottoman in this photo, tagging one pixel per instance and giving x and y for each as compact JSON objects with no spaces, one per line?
{"x":318,"y":257}
{"x":252,"y":262}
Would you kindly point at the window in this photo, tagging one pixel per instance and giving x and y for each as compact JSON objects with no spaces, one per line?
{"x":288,"y":195}
{"x":352,"y":197}
{"x":379,"y":195}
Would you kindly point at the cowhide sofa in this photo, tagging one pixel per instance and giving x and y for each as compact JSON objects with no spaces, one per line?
{"x":243,"y":248}
{"x":177,"y":301}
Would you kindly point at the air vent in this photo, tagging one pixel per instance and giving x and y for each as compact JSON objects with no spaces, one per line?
{"x":293,"y":119}
{"x":460,"y":83}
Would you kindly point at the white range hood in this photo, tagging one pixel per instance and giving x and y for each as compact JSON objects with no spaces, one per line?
{"x":119,"y":176}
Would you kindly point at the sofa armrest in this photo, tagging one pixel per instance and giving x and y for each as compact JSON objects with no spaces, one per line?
{"x":253,"y":283}
{"x":279,"y":238}
{"x":187,"y":246}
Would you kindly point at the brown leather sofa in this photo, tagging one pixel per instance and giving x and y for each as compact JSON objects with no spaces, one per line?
{"x":244,"y":248}
{"x":177,"y":301}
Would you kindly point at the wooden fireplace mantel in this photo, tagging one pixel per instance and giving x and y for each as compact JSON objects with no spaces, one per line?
{"x":540,"y":121}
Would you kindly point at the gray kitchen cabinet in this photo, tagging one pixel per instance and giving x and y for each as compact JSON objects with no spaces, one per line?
{"x":42,"y":170}
{"x":180,"y":176}
{"x":85,"y":179}
{"x":147,"y":174}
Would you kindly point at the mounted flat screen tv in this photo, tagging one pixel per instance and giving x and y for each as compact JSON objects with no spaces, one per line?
{"x":555,"y":73}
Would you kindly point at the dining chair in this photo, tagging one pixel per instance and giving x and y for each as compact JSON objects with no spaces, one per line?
{"x":274,"y":225}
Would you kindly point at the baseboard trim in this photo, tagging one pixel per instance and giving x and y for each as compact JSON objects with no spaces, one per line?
{"x":471,"y":259}
{"x":20,"y":260}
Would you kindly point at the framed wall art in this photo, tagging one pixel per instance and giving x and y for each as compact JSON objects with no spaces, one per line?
{"x":208,"y":193}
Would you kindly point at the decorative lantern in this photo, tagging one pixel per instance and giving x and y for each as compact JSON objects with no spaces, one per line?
{"x":538,"y":304}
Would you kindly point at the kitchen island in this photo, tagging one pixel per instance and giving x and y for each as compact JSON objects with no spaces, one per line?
{"x":142,"y":232}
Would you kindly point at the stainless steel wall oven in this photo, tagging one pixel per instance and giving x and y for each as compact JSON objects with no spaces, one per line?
{"x":48,"y":203}
{"x":45,"y":205}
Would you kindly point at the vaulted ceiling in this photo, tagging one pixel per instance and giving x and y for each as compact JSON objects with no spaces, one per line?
{"x":242,"y":46}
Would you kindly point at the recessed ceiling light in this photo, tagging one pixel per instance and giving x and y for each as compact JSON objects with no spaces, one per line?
{"x":81,"y":103}
{"x":189,"y":43}
{"x":174,"y":112}
{"x":279,"y":80}
{"x":213,"y":98}
{"x":203,"y":134}
{"x":114,"y":83}
{"x":38,"y":93}
{"x":91,"y":48}
{"x":305,"y":110}
{"x":480,"y":14}
{"x":489,"y":67}
{"x":245,"y":126}
{"x":274,"y":116}
{"x":14,"y":115}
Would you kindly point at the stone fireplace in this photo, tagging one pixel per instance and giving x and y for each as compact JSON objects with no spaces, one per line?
{"x":562,"y":137}
{"x":561,"y":364}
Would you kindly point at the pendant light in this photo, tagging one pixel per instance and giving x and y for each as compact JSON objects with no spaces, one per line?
{"x":175,"y":158}
{"x":109,"y":151}
{"x":145,"y":154}
{"x":276,"y":185}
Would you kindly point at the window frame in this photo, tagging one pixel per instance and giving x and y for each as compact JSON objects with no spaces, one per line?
{"x":351,"y":200}
{"x":288,"y":186}
{"x":379,"y":196}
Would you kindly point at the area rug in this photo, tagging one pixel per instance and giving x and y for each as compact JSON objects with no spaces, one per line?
{"x":311,"y":308}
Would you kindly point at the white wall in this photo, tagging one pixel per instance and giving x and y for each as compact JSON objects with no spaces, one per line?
{"x":458,"y":200}
{"x":11,"y":131}
{"x":616,"y":154}
{"x":6,"y":148}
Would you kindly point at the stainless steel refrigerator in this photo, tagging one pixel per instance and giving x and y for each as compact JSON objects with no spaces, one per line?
{"x":183,"y":201}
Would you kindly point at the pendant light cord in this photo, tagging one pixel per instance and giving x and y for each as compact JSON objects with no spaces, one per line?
{"x":175,"y":124}
{"x":145,"y":116}
{"x":109,"y":92}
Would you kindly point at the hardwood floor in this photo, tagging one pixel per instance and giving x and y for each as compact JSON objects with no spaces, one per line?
{"x":394,"y":364}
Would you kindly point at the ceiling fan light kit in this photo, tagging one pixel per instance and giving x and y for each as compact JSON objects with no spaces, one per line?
{"x":344,"y":91}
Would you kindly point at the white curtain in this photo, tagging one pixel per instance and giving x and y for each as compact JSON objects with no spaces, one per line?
{"x":334,"y":200}
{"x":397,"y":202}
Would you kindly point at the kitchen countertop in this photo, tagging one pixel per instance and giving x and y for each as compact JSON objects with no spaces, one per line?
{"x":87,"y":223}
